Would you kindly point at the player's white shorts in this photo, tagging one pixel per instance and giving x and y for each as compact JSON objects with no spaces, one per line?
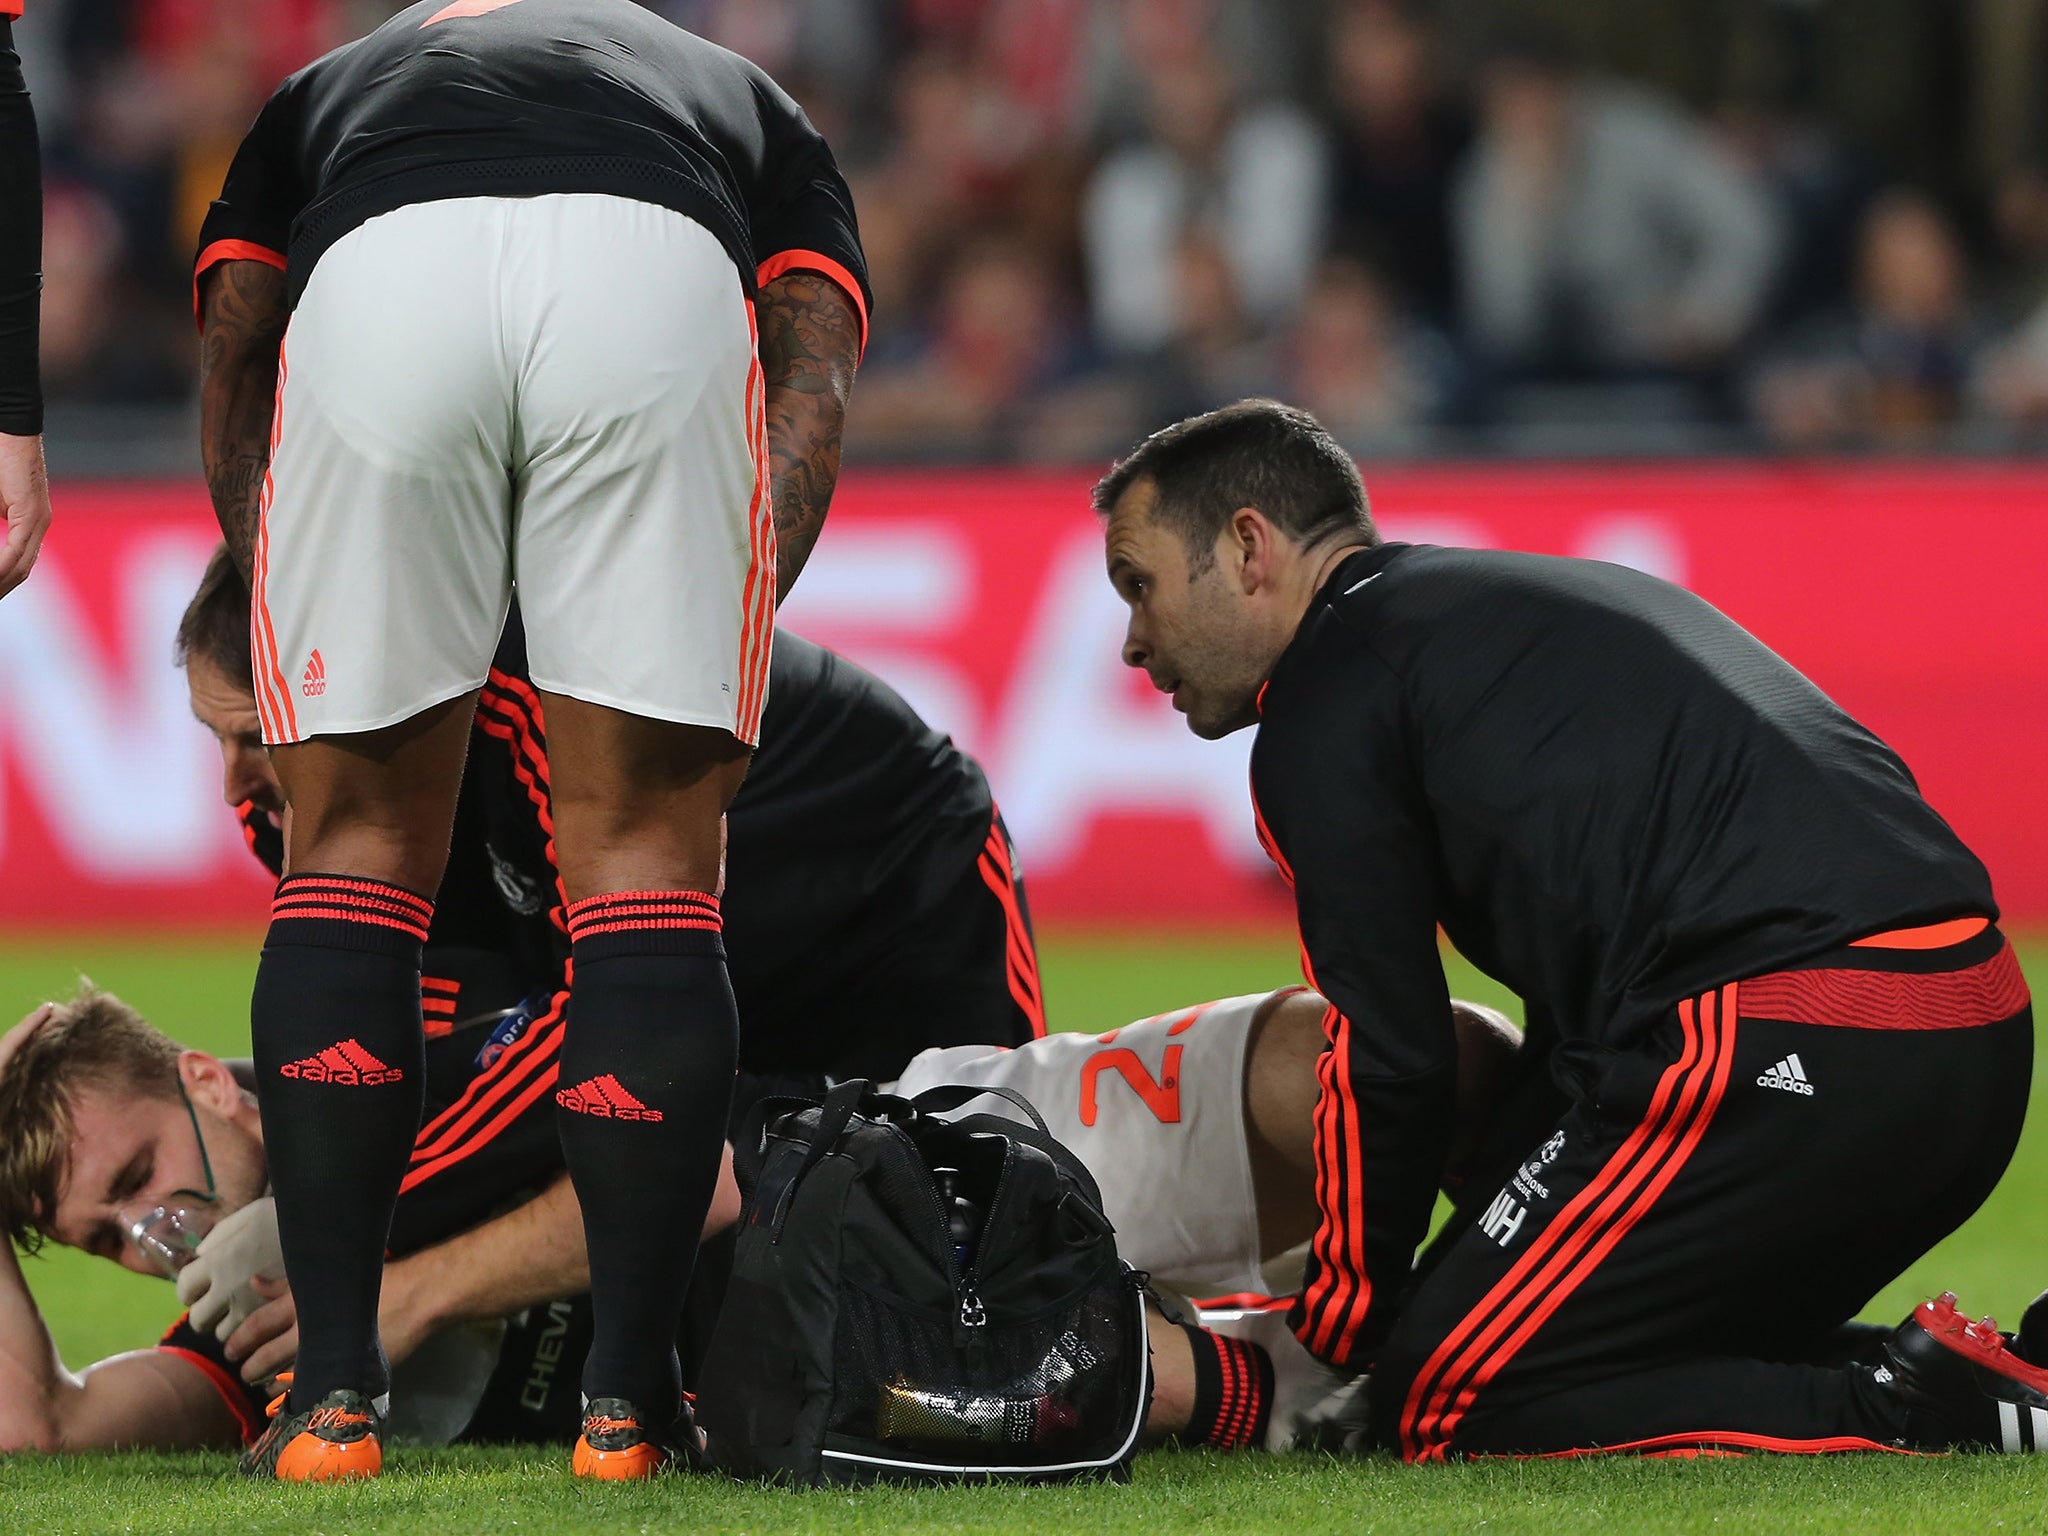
{"x":1156,"y":1112}
{"x":557,"y":390}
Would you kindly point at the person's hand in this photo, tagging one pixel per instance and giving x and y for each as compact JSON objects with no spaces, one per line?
{"x":406,"y":1305}
{"x":218,"y":1286}
{"x":268,"y":1340}
{"x":16,"y":1037}
{"x":25,"y":505}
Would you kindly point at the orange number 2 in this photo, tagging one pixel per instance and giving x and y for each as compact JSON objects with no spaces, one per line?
{"x":1161,"y":1097}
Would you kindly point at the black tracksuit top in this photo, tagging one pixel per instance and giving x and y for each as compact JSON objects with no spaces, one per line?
{"x":1610,"y":796}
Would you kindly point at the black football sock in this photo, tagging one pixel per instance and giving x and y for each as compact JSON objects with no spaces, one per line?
{"x":646,"y":1083}
{"x":1233,"y":1392}
{"x":335,"y":1022}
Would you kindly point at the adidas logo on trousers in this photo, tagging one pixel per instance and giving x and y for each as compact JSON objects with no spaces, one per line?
{"x":1788,"y":1075}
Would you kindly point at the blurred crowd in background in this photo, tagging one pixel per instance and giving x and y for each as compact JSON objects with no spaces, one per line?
{"x":1442,"y":225}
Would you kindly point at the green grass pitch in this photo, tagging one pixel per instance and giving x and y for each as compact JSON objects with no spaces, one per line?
{"x":198,"y":991}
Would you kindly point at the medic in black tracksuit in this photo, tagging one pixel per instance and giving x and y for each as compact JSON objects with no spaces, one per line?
{"x":1777,"y":1049}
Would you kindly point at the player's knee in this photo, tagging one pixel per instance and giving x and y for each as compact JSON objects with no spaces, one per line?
{"x":404,"y":845}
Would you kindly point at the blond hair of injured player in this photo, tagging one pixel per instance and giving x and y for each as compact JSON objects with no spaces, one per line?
{"x":1195,"y":1124}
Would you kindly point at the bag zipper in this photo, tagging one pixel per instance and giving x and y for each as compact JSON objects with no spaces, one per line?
{"x":973,"y":1315}
{"x":970,"y":1313}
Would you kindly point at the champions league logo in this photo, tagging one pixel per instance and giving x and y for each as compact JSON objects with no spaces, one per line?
{"x":501,"y":1038}
{"x":1528,"y":1178}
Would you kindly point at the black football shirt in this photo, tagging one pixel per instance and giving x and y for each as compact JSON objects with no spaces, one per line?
{"x":527,"y":97}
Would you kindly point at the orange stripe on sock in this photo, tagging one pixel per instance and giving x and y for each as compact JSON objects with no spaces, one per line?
{"x":1227,"y":1409}
{"x":346,"y":915}
{"x":627,"y":910}
{"x":341,"y":887}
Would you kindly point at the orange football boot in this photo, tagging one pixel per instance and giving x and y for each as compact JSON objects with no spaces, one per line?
{"x":616,"y":1446}
{"x":334,"y":1439}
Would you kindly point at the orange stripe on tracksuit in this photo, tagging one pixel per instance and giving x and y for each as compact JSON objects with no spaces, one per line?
{"x":1572,"y":1245}
{"x":1726,"y":1443}
{"x":999,"y":874}
{"x":1337,"y":1298}
{"x":509,"y":710}
{"x":1339,"y":1294}
{"x":496,"y":1098}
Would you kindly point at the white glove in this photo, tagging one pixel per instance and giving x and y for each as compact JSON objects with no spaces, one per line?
{"x":215,"y":1286}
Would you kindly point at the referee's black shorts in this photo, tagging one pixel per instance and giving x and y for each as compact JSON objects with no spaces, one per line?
{"x":1669,"y":1264}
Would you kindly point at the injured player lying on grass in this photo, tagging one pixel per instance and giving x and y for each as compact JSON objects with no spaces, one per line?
{"x":1195,"y":1124}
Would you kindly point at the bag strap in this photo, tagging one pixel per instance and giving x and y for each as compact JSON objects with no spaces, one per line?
{"x":748,"y":1134}
{"x":834,"y":1111}
{"x":936,"y":1101}
{"x":833,"y":1115}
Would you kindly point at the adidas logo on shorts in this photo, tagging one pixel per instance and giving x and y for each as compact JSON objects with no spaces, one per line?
{"x":314,"y":683}
{"x":1788,"y":1075}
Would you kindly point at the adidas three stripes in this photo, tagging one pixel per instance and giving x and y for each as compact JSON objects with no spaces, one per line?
{"x":1666,"y":1266}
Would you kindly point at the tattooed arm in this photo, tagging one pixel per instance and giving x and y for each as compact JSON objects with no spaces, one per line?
{"x":242,"y":319}
{"x":810,"y":346}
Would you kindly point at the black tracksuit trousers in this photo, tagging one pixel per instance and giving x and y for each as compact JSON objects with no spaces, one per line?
{"x":1661,"y":1268}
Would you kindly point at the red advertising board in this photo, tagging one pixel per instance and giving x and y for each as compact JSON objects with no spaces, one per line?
{"x":1912,"y":594}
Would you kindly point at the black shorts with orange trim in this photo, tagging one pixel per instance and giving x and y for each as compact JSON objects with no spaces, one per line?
{"x":1671,"y":1264}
